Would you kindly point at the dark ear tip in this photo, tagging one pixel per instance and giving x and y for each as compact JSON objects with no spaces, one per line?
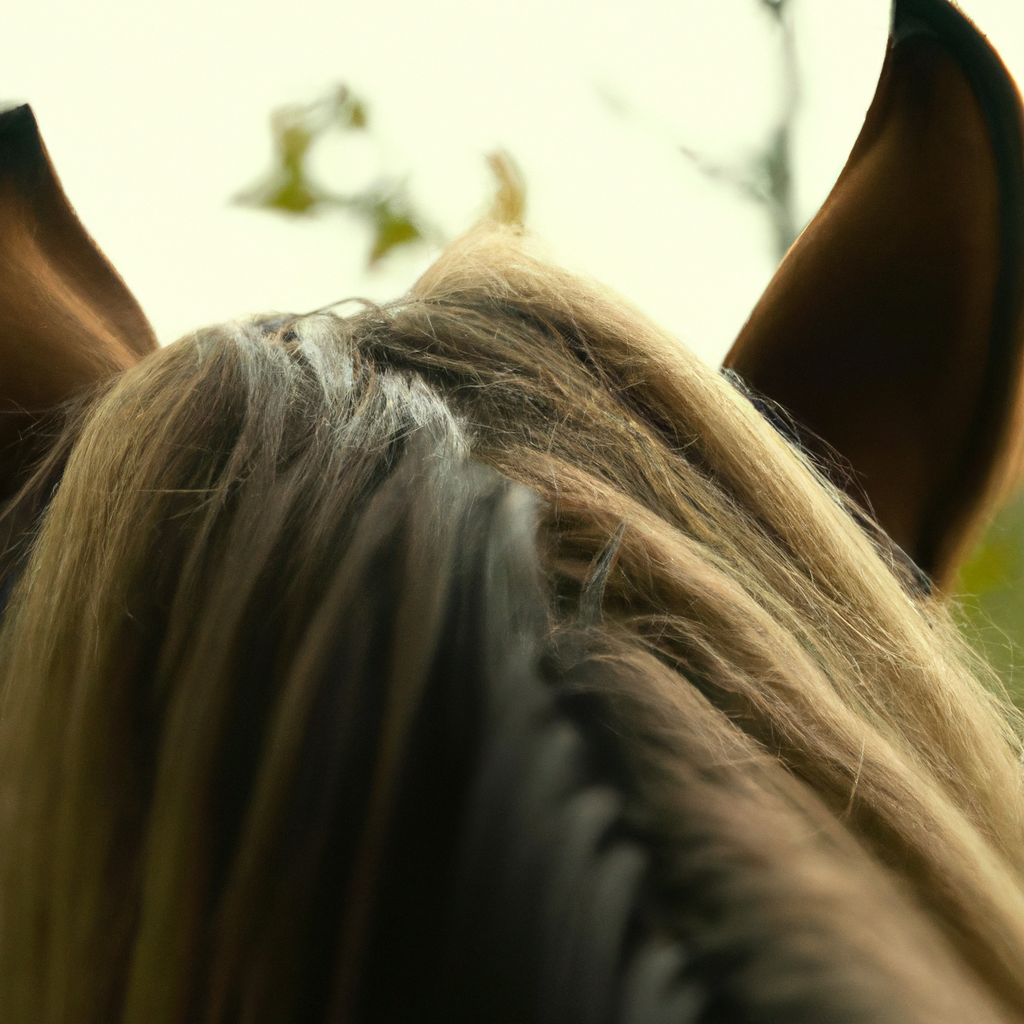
{"x":21,"y":149}
{"x":942,"y":19}
{"x":15,"y":118}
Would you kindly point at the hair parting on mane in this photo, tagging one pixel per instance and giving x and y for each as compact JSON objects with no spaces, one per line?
{"x":481,"y":657}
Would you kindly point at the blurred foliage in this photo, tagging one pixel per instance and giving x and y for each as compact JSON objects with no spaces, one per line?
{"x":767,"y":178}
{"x":384,"y":206}
{"x":991,"y":596}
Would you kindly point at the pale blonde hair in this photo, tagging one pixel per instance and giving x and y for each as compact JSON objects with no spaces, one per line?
{"x":768,"y":653}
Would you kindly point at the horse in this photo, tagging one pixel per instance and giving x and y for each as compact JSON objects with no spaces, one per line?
{"x":485,"y":656}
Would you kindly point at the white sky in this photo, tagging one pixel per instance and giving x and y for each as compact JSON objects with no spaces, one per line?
{"x":156,"y":113}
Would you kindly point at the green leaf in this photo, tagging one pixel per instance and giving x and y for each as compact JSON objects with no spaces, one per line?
{"x":288,"y":187}
{"x":393,"y":226}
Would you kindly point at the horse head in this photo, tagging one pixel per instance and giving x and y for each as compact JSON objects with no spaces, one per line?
{"x":484,"y":656}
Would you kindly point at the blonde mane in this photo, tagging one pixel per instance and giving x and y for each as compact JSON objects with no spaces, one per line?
{"x":787,"y":704}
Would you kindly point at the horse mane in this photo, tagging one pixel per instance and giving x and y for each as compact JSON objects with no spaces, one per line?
{"x":481,"y":656}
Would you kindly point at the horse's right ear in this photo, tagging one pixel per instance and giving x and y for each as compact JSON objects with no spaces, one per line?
{"x":67,"y":320}
{"x":894,"y":329}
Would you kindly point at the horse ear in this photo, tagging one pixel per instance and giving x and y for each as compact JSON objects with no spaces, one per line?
{"x":67,"y":320}
{"x":893,"y":330}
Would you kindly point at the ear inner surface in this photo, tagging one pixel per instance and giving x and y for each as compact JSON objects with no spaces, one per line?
{"x":892,"y":330}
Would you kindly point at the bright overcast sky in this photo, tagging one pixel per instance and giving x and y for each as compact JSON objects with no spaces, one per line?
{"x":157,"y":113}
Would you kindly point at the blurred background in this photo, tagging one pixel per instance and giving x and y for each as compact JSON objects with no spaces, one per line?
{"x":236,"y":157}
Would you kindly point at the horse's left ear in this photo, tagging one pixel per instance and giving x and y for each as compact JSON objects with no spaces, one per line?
{"x":67,"y":320}
{"x":894,"y":328}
